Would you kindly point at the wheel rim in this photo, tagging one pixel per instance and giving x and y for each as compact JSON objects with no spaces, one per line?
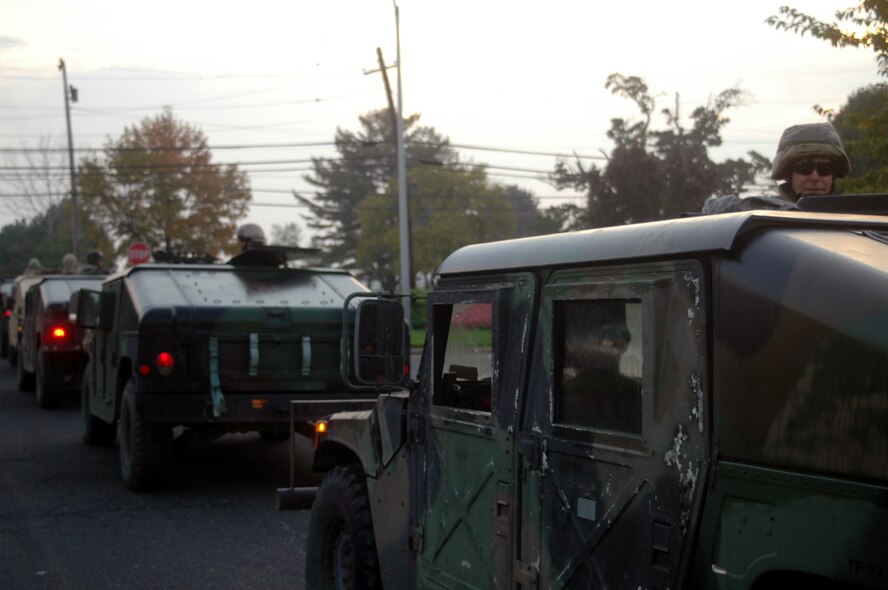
{"x":340,"y":558}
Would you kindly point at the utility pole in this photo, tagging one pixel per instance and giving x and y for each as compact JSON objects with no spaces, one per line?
{"x":403,"y":213}
{"x":71,"y":92}
{"x":393,"y":113}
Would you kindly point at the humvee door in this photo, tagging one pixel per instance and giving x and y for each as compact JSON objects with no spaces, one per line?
{"x":479,"y":336}
{"x":615,"y":443}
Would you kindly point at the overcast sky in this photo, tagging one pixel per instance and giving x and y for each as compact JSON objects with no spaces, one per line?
{"x":505,"y":75}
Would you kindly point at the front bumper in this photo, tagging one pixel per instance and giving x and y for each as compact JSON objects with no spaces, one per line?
{"x":253,"y":409}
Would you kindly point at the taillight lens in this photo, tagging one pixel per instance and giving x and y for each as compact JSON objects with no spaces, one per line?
{"x":165,"y":363}
{"x":56,"y":334}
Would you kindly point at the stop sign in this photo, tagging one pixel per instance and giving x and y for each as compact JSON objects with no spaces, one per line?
{"x":138,"y":253}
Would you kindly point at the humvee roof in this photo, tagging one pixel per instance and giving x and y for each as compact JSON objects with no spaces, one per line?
{"x":220,"y":285}
{"x":704,"y":233}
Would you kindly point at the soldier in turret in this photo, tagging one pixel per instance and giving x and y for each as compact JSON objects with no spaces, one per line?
{"x":809,"y":159}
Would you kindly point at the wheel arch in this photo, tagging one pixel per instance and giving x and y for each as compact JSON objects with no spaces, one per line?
{"x":334,"y":452}
{"x":124,"y":375}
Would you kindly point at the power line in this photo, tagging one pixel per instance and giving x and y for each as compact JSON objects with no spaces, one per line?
{"x":308,"y":144}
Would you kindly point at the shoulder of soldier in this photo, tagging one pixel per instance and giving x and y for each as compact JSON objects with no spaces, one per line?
{"x":731,"y":203}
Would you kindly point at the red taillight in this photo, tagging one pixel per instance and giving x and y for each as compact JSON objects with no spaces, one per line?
{"x":7,"y":313}
{"x":144,"y":370}
{"x":165,"y":363}
{"x":55,"y":334}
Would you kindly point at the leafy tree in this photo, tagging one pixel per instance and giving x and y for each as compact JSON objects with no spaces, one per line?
{"x":869,"y":16}
{"x":367,"y":165}
{"x":564,"y":217}
{"x":529,"y":219}
{"x":862,"y":124}
{"x":451,"y":206}
{"x":288,"y":234}
{"x":157,"y":184}
{"x":656,"y":174}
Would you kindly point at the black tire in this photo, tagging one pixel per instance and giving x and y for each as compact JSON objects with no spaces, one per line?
{"x":145,"y":448}
{"x":13,"y":356}
{"x":24,"y":379}
{"x":94,"y":431}
{"x":4,"y":346}
{"x":46,"y":385}
{"x":341,"y":548}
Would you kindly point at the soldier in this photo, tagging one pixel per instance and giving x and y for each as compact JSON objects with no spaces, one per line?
{"x":95,"y":263}
{"x":69,"y":264}
{"x":809,"y":159}
{"x":250,"y":235}
{"x":34,"y":267}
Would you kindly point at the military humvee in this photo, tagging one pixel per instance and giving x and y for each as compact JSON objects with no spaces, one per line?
{"x":51,"y":356}
{"x":215,"y":348}
{"x":693,"y":403}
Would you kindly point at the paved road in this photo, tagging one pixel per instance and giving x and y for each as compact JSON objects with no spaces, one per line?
{"x":66,"y":521}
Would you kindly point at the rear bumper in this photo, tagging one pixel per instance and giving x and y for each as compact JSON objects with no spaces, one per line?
{"x":64,"y":369}
{"x":255,"y":409}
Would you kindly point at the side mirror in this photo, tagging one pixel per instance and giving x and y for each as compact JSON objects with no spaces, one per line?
{"x":90,"y":309}
{"x":380,"y":343}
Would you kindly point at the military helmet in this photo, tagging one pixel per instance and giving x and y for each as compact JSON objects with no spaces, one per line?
{"x":251,"y":232}
{"x":69,"y":263}
{"x":811,"y":140}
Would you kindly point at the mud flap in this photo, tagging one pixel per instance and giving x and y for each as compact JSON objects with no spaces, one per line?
{"x":219,"y":406}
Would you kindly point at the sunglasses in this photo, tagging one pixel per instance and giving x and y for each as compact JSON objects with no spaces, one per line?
{"x":806,"y":167}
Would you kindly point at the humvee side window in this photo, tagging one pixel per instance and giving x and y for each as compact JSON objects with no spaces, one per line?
{"x":598,"y":362}
{"x":468,"y":357}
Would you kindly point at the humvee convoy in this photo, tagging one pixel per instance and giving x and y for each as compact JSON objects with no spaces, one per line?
{"x":700,"y":402}
{"x":692,"y":403}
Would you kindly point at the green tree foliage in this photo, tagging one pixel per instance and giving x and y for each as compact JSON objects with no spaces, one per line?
{"x":288,"y":234}
{"x":47,"y":241}
{"x":366,"y":165}
{"x":656,"y":174}
{"x":450,"y":207}
{"x":529,"y":219}
{"x":157,"y":184}
{"x":869,"y":18}
{"x":862,"y":124}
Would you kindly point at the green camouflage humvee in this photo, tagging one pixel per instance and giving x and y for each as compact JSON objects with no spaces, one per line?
{"x":693,"y":403}
{"x":211,"y":348}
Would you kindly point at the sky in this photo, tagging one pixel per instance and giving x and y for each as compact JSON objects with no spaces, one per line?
{"x":273,"y":81}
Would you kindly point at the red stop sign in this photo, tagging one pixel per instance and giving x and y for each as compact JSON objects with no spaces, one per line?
{"x":138,"y":253}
